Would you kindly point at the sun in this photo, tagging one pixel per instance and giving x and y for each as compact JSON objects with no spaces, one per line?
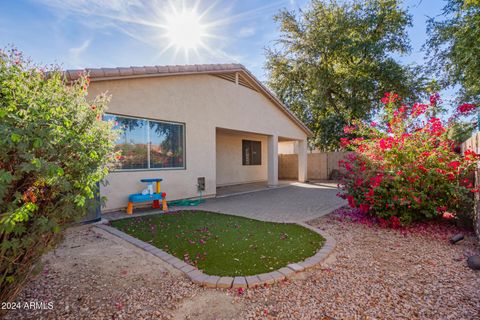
{"x":184,"y":30}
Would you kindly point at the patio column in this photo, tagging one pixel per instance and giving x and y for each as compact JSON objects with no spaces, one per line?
{"x":302,"y":160}
{"x":272,"y":160}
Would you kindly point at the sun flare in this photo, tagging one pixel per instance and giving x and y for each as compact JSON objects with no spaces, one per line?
{"x":184,"y":30}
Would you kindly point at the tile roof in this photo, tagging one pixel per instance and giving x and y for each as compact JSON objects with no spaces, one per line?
{"x":102,"y":73}
{"x":98,"y":74}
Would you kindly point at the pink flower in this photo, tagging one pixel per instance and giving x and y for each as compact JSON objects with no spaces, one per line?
{"x":390,"y":97}
{"x":364,"y":207}
{"x":373,"y":124}
{"x":395,"y":222}
{"x":454,"y":164}
{"x":358,"y":182}
{"x":466,"y":108}
{"x":377,"y":180}
{"x":383,"y":223}
{"x":422,"y":168}
{"x":385,"y":144}
{"x":351,"y":201}
{"x":418,"y":109}
{"x":436,"y":126}
{"x":351,"y":157}
{"x":349,"y":129}
{"x":412,"y":179}
{"x":348,"y":166}
{"x":441,"y":209}
{"x":435,"y":98}
{"x":470,"y":155}
{"x":370,"y":193}
{"x":344,"y":142}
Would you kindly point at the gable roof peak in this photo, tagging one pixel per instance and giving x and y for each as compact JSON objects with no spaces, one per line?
{"x":99,"y":74}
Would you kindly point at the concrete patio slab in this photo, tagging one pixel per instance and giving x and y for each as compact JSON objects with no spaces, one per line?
{"x":244,"y":188}
{"x":295,"y":202}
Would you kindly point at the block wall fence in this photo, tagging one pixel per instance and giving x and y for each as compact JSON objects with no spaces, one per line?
{"x":320,"y":165}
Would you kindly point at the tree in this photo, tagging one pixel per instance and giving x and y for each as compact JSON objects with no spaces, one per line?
{"x":54,"y":150}
{"x":334,"y":59}
{"x":454,"y":47}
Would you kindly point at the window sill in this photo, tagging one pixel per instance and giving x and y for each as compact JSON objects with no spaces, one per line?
{"x":151,"y":169}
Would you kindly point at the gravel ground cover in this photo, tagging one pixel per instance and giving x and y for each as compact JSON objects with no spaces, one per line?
{"x":374,"y":273}
{"x":94,"y":275}
{"x":378,"y":273}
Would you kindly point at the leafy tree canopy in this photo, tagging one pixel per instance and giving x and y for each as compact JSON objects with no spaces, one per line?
{"x":454,"y":46}
{"x":333,"y":59}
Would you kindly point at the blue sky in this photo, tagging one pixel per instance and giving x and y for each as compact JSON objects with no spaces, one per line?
{"x":112,"y":33}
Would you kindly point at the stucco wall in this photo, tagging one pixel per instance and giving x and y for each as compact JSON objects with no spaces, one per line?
{"x":287,"y":147}
{"x":203,"y":103}
{"x":230,"y":169}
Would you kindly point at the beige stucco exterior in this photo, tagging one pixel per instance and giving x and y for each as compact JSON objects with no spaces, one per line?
{"x":229,"y":159}
{"x":203,"y":103}
{"x":287,"y":147}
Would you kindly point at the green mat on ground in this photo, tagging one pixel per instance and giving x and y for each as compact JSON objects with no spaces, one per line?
{"x":185,"y":202}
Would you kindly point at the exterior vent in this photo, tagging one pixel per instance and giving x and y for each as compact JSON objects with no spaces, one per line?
{"x":241,"y":79}
{"x":201,"y":183}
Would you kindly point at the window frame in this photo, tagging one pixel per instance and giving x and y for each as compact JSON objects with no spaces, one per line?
{"x":251,"y":152}
{"x":183,"y":124}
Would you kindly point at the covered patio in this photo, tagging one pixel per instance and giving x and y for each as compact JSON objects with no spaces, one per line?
{"x":247,"y":161}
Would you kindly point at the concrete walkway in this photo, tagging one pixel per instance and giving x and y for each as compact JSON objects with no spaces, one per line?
{"x":295,"y":203}
{"x":248,"y":187}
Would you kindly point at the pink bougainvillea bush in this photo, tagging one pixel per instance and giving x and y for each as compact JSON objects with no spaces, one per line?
{"x":405,"y":168}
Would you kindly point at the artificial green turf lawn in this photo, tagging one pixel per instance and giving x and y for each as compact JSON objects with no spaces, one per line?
{"x":224,"y":245}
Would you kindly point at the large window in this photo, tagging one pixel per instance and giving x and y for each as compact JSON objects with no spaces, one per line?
{"x":251,"y":153}
{"x":148,"y":144}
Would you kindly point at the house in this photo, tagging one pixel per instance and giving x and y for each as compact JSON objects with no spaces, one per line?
{"x":187,"y":123}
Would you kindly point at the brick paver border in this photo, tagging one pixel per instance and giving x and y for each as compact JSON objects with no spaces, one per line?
{"x":209,"y":281}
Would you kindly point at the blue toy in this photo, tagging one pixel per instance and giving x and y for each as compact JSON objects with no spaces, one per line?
{"x":154,"y":197}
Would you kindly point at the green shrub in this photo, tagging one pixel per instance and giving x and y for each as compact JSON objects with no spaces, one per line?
{"x":54,"y":150}
{"x":405,"y":168}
